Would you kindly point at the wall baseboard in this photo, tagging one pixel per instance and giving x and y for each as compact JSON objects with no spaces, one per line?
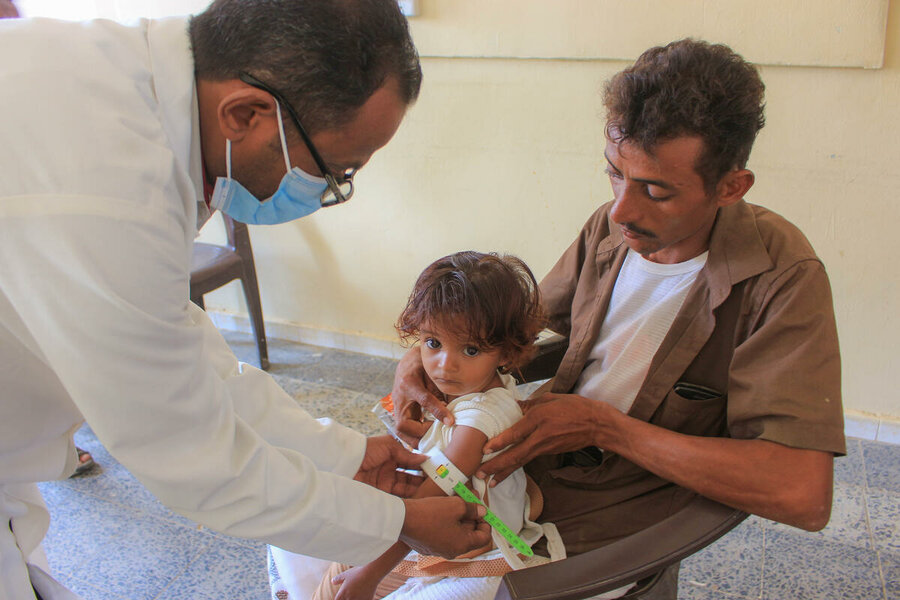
{"x":294,"y":332}
{"x":872,"y":427}
{"x":857,"y":424}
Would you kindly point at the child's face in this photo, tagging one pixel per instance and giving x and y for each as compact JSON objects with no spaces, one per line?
{"x":456,"y":365}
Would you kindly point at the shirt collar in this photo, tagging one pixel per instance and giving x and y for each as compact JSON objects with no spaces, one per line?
{"x":736,"y":249}
{"x":173,"y":79}
{"x":736,"y":245}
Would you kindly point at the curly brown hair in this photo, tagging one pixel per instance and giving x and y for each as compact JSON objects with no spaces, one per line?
{"x":693,"y":88}
{"x":496,"y":296}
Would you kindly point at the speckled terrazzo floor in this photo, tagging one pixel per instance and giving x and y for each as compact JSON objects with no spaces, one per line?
{"x":110,"y":539}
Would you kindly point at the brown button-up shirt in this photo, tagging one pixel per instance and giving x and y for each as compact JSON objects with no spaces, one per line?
{"x":756,"y":335}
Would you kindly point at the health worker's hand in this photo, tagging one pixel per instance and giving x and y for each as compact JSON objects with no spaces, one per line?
{"x":445,"y":526}
{"x":412,"y":392}
{"x":553,"y":423}
{"x":8,"y":10}
{"x":384,"y":455}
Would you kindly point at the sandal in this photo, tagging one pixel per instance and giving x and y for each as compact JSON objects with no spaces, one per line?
{"x":83,"y":465}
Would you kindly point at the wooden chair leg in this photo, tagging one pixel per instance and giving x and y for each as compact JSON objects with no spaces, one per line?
{"x":254,"y":307}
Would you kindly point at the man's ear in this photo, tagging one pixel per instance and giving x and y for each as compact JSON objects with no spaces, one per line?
{"x":242,"y":111}
{"x":733,"y":186}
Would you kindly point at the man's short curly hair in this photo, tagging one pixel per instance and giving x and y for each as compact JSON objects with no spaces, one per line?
{"x":692,"y":88}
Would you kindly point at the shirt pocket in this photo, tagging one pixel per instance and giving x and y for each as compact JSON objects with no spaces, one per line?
{"x":692,"y":409}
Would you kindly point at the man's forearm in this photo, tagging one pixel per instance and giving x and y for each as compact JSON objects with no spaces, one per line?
{"x":789,"y":485}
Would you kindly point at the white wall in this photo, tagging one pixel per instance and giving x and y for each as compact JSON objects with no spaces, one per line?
{"x":505,"y":154}
{"x":120,"y":10}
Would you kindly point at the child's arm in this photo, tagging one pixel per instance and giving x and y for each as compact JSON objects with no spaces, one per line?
{"x":464,"y":451}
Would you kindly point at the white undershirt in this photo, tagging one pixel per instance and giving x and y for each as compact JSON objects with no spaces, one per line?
{"x":644,"y":302}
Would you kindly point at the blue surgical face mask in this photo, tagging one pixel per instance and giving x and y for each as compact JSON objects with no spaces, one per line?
{"x":298,"y":195}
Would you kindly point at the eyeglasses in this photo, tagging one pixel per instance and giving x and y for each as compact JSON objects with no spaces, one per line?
{"x":337,"y":191}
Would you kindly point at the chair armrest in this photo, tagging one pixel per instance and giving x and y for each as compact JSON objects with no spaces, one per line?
{"x":701,"y":522}
{"x":549,"y":351}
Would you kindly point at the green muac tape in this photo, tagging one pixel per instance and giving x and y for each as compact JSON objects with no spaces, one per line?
{"x":494,"y":521}
{"x":450,"y":479}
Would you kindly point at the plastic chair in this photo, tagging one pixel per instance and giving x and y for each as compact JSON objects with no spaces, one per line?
{"x":213,"y":266}
{"x":639,"y":558}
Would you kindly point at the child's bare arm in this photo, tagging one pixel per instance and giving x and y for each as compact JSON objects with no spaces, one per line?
{"x":464,"y":451}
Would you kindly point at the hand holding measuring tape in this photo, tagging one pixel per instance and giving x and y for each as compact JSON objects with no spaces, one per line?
{"x":450,"y":479}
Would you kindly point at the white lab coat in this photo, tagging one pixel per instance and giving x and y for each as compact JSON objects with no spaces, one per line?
{"x":99,"y":186}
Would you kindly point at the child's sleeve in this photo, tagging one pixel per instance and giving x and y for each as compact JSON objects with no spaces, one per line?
{"x":490,"y":412}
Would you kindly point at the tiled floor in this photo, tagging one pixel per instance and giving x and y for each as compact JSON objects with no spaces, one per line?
{"x":110,"y":539}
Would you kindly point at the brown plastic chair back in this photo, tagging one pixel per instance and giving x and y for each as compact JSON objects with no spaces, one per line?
{"x":638,"y":558}
{"x":212,"y":266}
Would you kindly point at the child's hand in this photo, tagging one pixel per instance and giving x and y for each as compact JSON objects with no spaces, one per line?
{"x":356,"y":584}
{"x":412,"y":392}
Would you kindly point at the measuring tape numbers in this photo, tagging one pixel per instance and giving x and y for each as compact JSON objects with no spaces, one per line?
{"x":453,"y":481}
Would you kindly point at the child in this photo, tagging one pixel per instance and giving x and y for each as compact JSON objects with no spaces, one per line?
{"x":475,"y":317}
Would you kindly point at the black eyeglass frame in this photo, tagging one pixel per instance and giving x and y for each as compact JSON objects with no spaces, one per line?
{"x":333,"y":186}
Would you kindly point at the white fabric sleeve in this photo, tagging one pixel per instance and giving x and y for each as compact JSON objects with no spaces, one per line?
{"x":101,"y":287}
{"x":490,"y":412}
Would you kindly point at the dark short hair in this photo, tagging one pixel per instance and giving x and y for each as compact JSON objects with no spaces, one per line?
{"x":692,"y":88}
{"x":326,"y":56}
{"x":494,"y":299}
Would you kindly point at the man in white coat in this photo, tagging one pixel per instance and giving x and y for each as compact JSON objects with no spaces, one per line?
{"x":116,"y":140}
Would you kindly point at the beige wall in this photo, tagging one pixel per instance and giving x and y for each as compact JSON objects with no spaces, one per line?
{"x":506,"y":155}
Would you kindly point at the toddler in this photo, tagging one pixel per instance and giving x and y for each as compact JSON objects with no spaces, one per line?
{"x":475,"y":317}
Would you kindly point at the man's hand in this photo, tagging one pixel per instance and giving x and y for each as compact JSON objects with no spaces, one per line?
{"x":412,"y":392}
{"x":784,"y":484}
{"x":552,"y":424}
{"x":444,"y":526}
{"x":384,"y":455}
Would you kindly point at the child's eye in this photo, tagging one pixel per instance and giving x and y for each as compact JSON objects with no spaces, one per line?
{"x":432,"y":343}
{"x":471,"y":351}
